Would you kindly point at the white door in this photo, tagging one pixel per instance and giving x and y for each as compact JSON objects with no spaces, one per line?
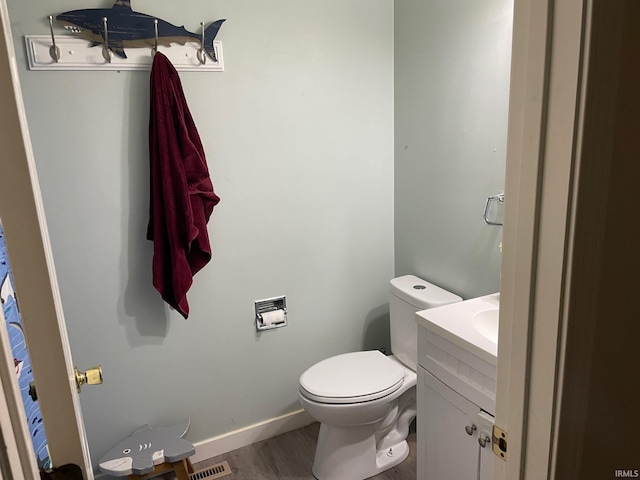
{"x":22,"y":216}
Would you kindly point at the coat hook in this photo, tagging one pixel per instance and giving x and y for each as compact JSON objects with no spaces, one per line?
{"x":54,"y":51}
{"x":106,"y":53}
{"x":154,"y":50}
{"x":202,"y":57}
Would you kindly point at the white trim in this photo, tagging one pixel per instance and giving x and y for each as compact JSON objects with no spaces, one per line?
{"x":542,"y":126}
{"x":551,"y":276}
{"x":527,"y":110}
{"x":253,"y":433}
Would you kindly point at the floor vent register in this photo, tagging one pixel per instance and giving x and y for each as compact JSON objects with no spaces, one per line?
{"x":218,"y":470}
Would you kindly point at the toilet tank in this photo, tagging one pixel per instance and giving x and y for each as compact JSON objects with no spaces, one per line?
{"x":409,"y":295}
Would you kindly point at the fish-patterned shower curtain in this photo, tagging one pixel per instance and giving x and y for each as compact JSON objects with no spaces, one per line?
{"x":21,"y":360}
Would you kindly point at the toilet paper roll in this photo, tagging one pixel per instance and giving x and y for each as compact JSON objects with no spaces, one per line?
{"x":273,"y":317}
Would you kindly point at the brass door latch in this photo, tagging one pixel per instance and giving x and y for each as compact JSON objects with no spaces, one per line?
{"x":499,"y":441}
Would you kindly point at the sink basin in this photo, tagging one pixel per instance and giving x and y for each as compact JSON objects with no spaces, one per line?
{"x":486,"y":323}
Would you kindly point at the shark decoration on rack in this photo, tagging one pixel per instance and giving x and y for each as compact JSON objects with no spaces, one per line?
{"x":147,"y":447}
{"x":129,"y":29}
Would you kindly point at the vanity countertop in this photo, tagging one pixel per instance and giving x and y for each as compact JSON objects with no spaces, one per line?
{"x":455,"y":322}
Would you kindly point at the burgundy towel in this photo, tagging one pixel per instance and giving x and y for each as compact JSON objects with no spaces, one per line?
{"x":182,"y":196}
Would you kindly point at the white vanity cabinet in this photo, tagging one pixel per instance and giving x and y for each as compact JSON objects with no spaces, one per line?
{"x":453,"y":434}
{"x":456,"y":391}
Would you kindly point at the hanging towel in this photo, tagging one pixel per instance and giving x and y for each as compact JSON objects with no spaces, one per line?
{"x":182,"y":196}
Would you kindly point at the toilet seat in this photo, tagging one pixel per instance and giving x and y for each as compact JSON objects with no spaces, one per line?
{"x":352,"y":378}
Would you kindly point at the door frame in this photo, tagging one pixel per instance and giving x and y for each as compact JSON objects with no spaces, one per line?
{"x":561,"y":129}
{"x":544,"y":119}
{"x":27,"y":238}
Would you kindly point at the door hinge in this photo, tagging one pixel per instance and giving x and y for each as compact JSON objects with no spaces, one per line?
{"x":499,"y":441}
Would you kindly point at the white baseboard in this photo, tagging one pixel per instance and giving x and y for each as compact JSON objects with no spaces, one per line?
{"x":253,"y":433}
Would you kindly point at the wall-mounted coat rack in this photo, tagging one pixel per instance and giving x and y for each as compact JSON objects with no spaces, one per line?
{"x":78,"y":54}
{"x":101,"y":36}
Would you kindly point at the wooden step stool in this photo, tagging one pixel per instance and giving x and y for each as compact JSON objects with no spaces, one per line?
{"x":150,"y":452}
{"x":182,"y":469}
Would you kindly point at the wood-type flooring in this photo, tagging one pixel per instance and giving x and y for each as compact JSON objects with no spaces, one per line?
{"x":289,"y":457}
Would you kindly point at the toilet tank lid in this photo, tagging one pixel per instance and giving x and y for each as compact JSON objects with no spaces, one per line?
{"x":420,"y":293}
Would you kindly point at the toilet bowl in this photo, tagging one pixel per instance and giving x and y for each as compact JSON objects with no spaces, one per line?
{"x":365,"y":401}
{"x":365,"y":422}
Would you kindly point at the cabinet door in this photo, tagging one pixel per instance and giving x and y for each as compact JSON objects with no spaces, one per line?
{"x":446,"y":451}
{"x":485,"y":422}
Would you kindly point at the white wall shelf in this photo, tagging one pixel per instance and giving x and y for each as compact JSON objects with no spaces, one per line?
{"x":78,"y":54}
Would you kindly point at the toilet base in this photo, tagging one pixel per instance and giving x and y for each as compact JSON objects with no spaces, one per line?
{"x":349,"y":453}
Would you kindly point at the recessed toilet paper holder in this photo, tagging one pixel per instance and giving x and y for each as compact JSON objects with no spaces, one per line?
{"x":271,"y":313}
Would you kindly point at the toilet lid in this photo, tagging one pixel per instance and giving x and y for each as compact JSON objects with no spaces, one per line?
{"x":351,"y":378}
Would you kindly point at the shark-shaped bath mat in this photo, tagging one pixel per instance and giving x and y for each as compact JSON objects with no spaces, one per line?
{"x":146,"y":448}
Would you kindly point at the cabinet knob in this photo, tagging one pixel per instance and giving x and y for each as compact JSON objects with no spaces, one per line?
{"x":484,"y":441}
{"x":470,"y":429}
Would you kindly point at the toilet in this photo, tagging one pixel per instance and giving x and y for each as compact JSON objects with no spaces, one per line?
{"x":365,"y":401}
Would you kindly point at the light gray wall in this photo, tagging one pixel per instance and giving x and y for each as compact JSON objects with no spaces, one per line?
{"x":452,"y":62}
{"x":299,"y":136}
